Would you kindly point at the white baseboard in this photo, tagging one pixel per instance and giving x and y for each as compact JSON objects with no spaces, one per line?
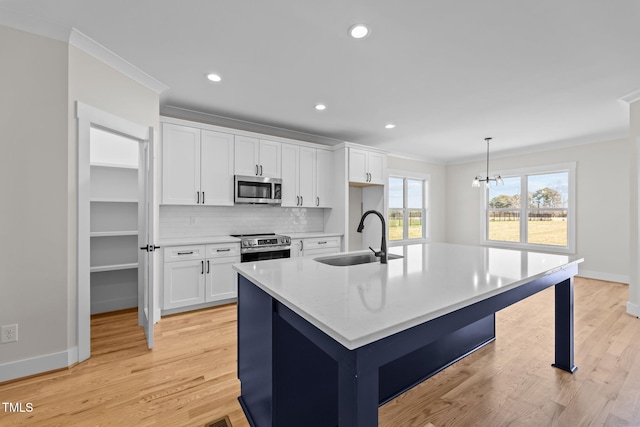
{"x":37,"y":365}
{"x":115,"y":304}
{"x":607,"y":277}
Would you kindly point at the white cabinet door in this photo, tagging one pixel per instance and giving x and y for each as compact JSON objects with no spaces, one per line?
{"x":221,"y":279}
{"x":324,"y":177}
{"x":297,"y":247}
{"x":377,"y":167}
{"x":290,"y":175}
{"x":183,"y":283}
{"x":216,"y":160}
{"x":246,"y":156}
{"x":270,"y":159}
{"x":180,"y":165}
{"x":307,"y":176}
{"x":358,"y":171}
{"x":367,"y":167}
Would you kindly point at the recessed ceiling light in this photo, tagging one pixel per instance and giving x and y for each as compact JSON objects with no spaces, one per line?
{"x":214,"y":77}
{"x":389,"y":126}
{"x":359,"y":31}
{"x":320,"y":107}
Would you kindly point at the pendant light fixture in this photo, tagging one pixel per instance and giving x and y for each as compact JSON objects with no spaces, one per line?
{"x":478,"y":179}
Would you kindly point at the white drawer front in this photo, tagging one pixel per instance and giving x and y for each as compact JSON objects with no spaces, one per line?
{"x":183,"y":253}
{"x":223,"y":250}
{"x":321,"y":242}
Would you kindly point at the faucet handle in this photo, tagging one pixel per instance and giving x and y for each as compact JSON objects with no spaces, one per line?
{"x":376,"y":253}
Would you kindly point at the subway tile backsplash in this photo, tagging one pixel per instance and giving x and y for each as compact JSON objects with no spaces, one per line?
{"x":200,"y":221}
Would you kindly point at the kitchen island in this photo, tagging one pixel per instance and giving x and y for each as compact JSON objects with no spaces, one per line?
{"x":323,"y":345}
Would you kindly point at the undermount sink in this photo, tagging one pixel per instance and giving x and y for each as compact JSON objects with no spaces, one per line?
{"x":353,"y":259}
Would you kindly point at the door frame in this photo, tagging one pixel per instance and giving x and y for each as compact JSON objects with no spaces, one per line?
{"x":89,"y":116}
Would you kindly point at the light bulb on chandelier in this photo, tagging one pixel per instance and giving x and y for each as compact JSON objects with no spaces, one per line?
{"x":486,"y":180}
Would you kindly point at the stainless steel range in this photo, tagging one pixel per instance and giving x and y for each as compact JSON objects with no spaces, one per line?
{"x":258,"y":247}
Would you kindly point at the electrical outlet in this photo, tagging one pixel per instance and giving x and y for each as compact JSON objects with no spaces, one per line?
{"x":8,"y":333}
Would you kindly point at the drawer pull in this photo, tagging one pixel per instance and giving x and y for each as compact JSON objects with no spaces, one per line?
{"x":223,"y":250}
{"x":185,"y":253}
{"x":322,"y":243}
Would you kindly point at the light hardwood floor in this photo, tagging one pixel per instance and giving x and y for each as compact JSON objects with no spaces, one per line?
{"x":189,"y":379}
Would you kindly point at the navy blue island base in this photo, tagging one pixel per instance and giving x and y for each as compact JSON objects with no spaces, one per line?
{"x":293,"y":374}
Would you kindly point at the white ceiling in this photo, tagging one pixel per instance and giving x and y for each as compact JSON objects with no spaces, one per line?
{"x":530,"y":74}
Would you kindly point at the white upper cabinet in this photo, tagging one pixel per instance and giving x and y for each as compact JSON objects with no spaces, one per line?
{"x":180,"y":164}
{"x":247,"y":156}
{"x":306,"y":176}
{"x":216,"y":168}
{"x":290,"y":175}
{"x":367,"y":167}
{"x":324,"y":178}
{"x":258,"y":157}
{"x":197,"y":166}
{"x":270,"y":159}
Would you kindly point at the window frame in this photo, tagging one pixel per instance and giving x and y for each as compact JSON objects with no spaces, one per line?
{"x":524,"y":210}
{"x":426,"y":227}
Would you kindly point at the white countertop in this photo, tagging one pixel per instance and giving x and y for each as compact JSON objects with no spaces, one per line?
{"x":359,"y":304}
{"x":310,"y":235}
{"x":180,"y":241}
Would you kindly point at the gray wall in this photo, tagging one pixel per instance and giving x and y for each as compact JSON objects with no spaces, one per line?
{"x":34,"y":253}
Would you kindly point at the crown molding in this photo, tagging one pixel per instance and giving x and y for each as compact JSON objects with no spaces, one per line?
{"x":632,"y":97}
{"x":30,"y":24}
{"x":98,"y":51}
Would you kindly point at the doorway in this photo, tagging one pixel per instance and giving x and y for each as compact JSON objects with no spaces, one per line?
{"x":115,"y":220}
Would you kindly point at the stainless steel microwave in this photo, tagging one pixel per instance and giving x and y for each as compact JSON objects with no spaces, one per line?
{"x":257,"y":189}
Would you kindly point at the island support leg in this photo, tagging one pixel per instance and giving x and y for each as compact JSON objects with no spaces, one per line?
{"x":564,"y":326}
{"x":357,"y":397}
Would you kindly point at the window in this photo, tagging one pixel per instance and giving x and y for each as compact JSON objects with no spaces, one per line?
{"x":534,"y":209}
{"x":407,"y":214}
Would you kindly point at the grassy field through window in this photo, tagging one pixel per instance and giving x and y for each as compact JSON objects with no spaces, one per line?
{"x":395,"y":230}
{"x":553,"y":232}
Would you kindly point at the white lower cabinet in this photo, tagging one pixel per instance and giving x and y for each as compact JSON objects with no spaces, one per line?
{"x":199,"y":274}
{"x":183,"y":283}
{"x":221,"y":282}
